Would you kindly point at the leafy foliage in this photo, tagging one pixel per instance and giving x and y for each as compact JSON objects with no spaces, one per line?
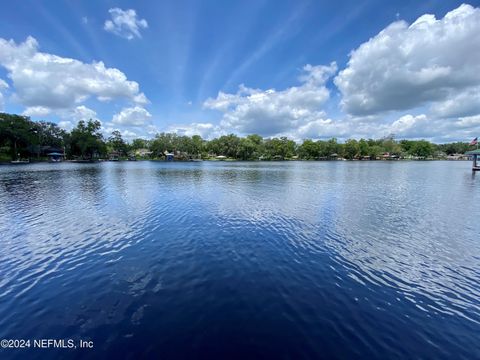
{"x":21,"y":137}
{"x":117,"y":144}
{"x":86,"y":140}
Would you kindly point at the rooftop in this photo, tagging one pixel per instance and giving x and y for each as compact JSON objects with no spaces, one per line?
{"x":473,"y":152}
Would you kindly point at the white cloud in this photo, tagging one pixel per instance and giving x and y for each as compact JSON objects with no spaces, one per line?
{"x":83,"y":113}
{"x":53,"y":82}
{"x":412,"y":126}
{"x":405,"y":67}
{"x":36,"y":111}
{"x":133,"y":116}
{"x":205,"y":130}
{"x":322,"y":128}
{"x":415,"y":81}
{"x":271,"y":112}
{"x":127,"y":134}
{"x":125,"y":23}
{"x":424,"y":126}
{"x":66,"y":125}
{"x":469,"y":122}
{"x":71,"y":117}
{"x":3,"y":86}
{"x":464,"y":103}
{"x":141,"y":99}
{"x":151,"y":130}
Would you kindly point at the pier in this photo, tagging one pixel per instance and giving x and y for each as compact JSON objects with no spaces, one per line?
{"x":474,"y":154}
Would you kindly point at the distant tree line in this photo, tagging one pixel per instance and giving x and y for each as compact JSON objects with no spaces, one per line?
{"x":21,"y":137}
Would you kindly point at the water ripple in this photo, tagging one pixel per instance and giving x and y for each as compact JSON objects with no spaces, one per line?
{"x":301,"y":259}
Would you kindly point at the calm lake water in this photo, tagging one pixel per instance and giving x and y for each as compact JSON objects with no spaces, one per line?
{"x":225,"y":260}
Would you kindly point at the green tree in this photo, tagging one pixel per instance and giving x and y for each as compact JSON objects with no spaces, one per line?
{"x":49,"y":134}
{"x":17,"y":136}
{"x":246,"y":149}
{"x":139,"y":144}
{"x":351,"y":149}
{"x":374,"y":151}
{"x":332,"y":147}
{"x":164,"y":142}
{"x":363,"y":147}
{"x":198,"y":145}
{"x":454,"y":148}
{"x":390,"y":146}
{"x":309,"y":150}
{"x":86,"y":140}
{"x":259,"y":144}
{"x":421,"y":148}
{"x":280,"y":148}
{"x":226,"y":145}
{"x":116,"y":143}
{"x":406,"y":145}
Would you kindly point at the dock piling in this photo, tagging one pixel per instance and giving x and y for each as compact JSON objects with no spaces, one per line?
{"x":474,"y":154}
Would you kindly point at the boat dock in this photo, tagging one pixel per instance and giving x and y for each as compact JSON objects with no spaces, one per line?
{"x":474,"y":154}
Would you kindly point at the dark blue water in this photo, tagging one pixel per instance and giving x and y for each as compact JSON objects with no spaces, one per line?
{"x":294,"y":260}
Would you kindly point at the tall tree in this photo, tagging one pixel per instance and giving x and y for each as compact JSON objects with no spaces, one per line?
{"x":86,"y":140}
{"x":116,"y":143}
{"x":421,"y":148}
{"x":351,"y":149}
{"x":309,"y":150}
{"x":16,"y":135}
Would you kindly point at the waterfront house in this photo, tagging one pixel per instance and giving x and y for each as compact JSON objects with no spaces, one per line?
{"x":457,"y":157}
{"x":143,"y":152}
{"x":389,"y":156}
{"x":114,"y":156}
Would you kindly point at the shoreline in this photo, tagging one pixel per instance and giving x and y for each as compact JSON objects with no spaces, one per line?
{"x":226,"y":160}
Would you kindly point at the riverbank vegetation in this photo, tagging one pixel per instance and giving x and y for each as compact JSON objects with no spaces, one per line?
{"x":21,"y":137}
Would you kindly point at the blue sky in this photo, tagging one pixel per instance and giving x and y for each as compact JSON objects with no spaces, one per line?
{"x":188,"y":59}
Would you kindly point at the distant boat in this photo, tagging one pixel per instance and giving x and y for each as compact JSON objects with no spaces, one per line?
{"x":18,"y":162}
